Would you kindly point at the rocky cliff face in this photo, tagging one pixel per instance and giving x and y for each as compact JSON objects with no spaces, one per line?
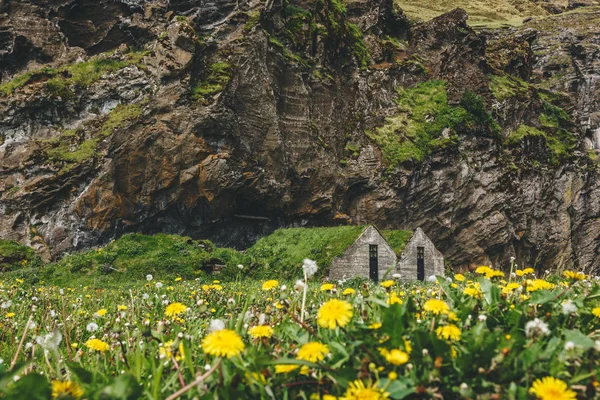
{"x":225,"y":120}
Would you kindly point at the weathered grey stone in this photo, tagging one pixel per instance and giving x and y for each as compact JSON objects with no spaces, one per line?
{"x":355,"y":260}
{"x":433,"y":260}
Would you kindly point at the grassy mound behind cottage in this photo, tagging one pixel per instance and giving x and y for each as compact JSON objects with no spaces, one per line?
{"x":133,"y":256}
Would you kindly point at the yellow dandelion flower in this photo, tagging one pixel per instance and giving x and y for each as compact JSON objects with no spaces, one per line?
{"x":387,"y":284}
{"x":459,"y":277}
{"x":178,"y":279}
{"x":375,"y":325}
{"x":539,"y":284}
{"x":285,"y":368}
{"x":394,"y":299}
{"x":511,"y":287}
{"x":576,"y":276}
{"x":122,"y":308}
{"x":448,"y":332}
{"x":452,"y":316}
{"x":334,"y":313}
{"x":550,"y":388}
{"x":357,"y":390}
{"x":174,"y":309}
{"x":10,"y":315}
{"x":473,"y":291}
{"x":97,"y":344}
{"x":596,"y":311}
{"x":436,"y":306}
{"x":166,"y":351}
{"x":66,"y":389}
{"x":326,"y":287}
{"x":313,"y":352}
{"x":223,"y":343}
{"x":101,"y":312}
{"x":261,"y":331}
{"x":348,"y":291}
{"x":392,"y":376}
{"x":395,"y":356}
{"x":270,"y":284}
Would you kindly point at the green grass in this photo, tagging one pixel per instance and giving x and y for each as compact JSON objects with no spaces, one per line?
{"x":560,"y":143}
{"x":80,"y":74}
{"x":131,"y":258}
{"x":482,"y":13}
{"x":282,"y":253}
{"x":506,"y":86}
{"x":70,"y":149}
{"x":14,"y":255}
{"x":397,"y":239}
{"x":219,"y":74}
{"x":424,"y":114}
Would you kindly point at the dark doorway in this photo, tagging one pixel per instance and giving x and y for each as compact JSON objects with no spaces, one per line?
{"x":421,"y":263}
{"x":373,"y":263}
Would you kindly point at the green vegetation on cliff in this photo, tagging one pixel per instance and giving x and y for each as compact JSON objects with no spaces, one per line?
{"x":560,"y":143}
{"x":71,"y":147}
{"x":484,"y":13}
{"x":219,"y":74}
{"x":427,"y":122}
{"x":82,"y":74}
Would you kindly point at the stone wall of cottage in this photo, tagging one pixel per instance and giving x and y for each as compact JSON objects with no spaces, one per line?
{"x":407,"y":264}
{"x":355,"y":260}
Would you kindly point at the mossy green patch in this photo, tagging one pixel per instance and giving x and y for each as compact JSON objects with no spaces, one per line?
{"x":424,"y":117}
{"x":397,"y":239}
{"x":559,"y":143}
{"x":14,"y":255}
{"x":507,"y":86}
{"x":219,"y":74}
{"x":71,"y":148}
{"x":119,"y":116}
{"x":83,"y":74}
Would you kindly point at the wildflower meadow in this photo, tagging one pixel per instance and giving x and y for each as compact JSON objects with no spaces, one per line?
{"x":482,"y":335}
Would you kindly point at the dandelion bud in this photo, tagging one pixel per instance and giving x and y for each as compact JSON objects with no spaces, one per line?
{"x":464,"y":386}
{"x":425,"y":352}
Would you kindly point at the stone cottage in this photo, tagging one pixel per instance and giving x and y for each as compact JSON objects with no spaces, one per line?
{"x":370,"y":256}
{"x":420,"y":259}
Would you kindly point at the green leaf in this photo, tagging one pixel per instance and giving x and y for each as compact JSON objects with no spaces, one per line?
{"x":542,"y":297}
{"x":491,"y":292}
{"x":30,"y":387}
{"x":579,"y":339}
{"x":82,"y":374}
{"x":398,"y":389}
{"x":337,"y":348}
{"x":393,"y":323}
{"x":124,"y":387}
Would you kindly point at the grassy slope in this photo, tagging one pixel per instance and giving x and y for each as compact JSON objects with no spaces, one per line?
{"x":133,"y":256}
{"x":485,"y":13}
{"x":282,"y":252}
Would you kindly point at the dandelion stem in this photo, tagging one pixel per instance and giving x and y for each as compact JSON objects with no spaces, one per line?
{"x":304,"y":297}
{"x":14,"y":360}
{"x":303,"y":324}
{"x":196,"y":382}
